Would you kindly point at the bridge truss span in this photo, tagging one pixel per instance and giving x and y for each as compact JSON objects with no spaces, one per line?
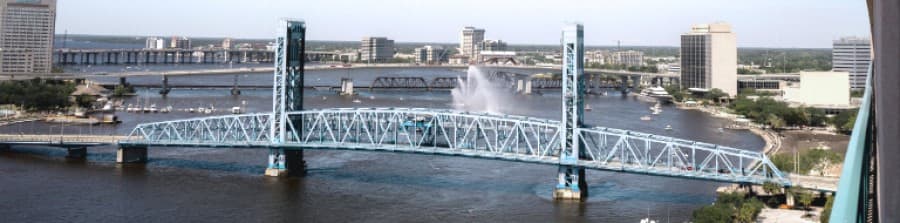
{"x":476,"y":135}
{"x":642,"y":153}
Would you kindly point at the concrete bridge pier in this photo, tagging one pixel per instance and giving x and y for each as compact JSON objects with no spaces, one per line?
{"x":570,"y":188}
{"x":76,"y":153}
{"x":285,"y":162}
{"x":131,"y":154}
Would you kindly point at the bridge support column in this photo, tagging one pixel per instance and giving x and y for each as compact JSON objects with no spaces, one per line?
{"x":572,"y":184}
{"x":788,"y":198}
{"x":285,"y":162}
{"x":77,"y":153}
{"x":131,"y":154}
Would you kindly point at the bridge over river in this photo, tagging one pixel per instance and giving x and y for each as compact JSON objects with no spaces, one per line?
{"x":568,"y":145}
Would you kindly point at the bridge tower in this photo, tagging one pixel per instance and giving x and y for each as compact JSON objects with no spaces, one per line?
{"x":572,"y":185}
{"x":287,"y":95}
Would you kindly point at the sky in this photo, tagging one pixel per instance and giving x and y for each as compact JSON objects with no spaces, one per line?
{"x":757,"y":23}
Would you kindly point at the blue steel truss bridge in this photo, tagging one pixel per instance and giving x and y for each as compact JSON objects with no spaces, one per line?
{"x":569,"y":144}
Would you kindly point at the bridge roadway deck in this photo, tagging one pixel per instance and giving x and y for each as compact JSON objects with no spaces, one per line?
{"x":61,"y":140}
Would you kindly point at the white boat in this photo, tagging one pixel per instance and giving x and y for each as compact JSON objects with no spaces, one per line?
{"x":190,"y":110}
{"x":201,"y":110}
{"x":646,"y":118}
{"x":669,"y":128}
{"x":153,"y":109}
{"x":108,"y":106}
{"x":357,"y":101}
{"x":236,"y":110}
{"x":588,"y":108}
{"x":647,"y":220}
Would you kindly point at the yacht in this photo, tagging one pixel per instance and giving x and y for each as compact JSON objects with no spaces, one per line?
{"x":646,"y":118}
{"x":658,"y":93}
{"x":669,"y":128}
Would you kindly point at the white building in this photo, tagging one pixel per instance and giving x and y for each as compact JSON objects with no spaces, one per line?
{"x":853,"y":55}
{"x":821,"y":90}
{"x":227,"y":43}
{"x":709,"y":58}
{"x":430,"y":55}
{"x":155,"y":43}
{"x":376,"y":49}
{"x":628,"y":58}
{"x":27,"y":29}
{"x":470,"y":42}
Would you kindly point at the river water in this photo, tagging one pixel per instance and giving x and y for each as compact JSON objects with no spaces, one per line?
{"x":209,"y":184}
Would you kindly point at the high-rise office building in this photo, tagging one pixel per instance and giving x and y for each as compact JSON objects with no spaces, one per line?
{"x":470,"y":42}
{"x":155,"y":43}
{"x":376,"y":49}
{"x":853,"y":55}
{"x":26,"y":39}
{"x":493,"y":45}
{"x":709,"y":58}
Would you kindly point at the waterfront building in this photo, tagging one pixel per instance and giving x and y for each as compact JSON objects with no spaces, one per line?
{"x":629,"y":58}
{"x":27,"y":29}
{"x":227,"y":43}
{"x":821,"y":90}
{"x":376,"y":49}
{"x":430,"y":55}
{"x":180,"y":43}
{"x":709,"y":58}
{"x":471,"y":42}
{"x":853,"y":55}
{"x":493,"y":45}
{"x":155,"y":43}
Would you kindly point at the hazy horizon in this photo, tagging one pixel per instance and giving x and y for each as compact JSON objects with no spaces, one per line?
{"x":758,"y":24}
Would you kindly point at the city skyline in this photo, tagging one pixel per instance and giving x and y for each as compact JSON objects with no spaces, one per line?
{"x":796,"y":24}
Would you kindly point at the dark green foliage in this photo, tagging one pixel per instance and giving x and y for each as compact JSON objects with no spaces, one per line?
{"x":787,"y":60}
{"x":809,"y":159}
{"x":777,"y":114}
{"x":826,"y":213}
{"x":85,"y":101}
{"x":36,"y":94}
{"x":730,"y":207}
{"x":845,"y":121}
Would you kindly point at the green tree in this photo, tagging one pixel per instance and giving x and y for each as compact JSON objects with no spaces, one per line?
{"x":775,"y":121}
{"x":804,"y":198}
{"x":826,"y":212}
{"x":85,"y":100}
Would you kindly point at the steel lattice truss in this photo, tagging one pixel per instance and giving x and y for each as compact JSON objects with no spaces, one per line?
{"x":452,"y":133}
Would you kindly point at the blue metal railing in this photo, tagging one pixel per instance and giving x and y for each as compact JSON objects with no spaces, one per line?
{"x":851,"y":202}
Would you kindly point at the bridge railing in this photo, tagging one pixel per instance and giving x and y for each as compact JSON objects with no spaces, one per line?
{"x":60,"y":139}
{"x":854,"y":192}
